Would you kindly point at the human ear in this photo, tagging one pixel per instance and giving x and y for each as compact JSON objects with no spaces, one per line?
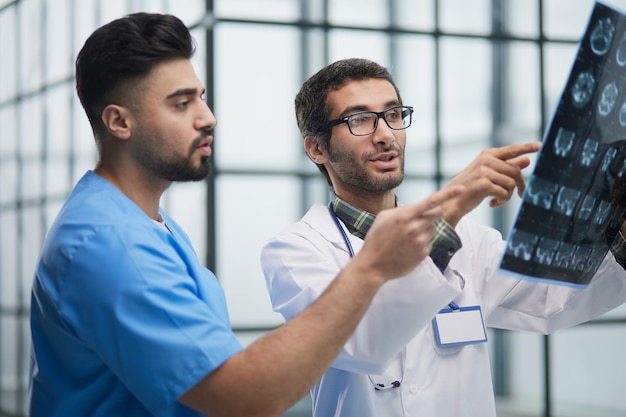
{"x":315,"y":151}
{"x":116,"y":120}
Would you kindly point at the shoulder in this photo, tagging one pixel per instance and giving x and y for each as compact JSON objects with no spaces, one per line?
{"x":315,"y":224}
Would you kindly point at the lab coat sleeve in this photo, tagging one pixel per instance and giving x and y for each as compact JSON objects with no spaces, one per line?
{"x":517,"y":304}
{"x":300,"y":263}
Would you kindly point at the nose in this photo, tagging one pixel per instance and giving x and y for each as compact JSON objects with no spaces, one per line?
{"x":383,"y":135}
{"x":206,"y":119}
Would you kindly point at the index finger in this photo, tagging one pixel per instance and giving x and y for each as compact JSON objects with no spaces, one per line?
{"x":513,"y":151}
{"x":426,"y":206}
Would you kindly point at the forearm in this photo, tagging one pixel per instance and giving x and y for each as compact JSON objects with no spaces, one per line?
{"x":281,"y":367}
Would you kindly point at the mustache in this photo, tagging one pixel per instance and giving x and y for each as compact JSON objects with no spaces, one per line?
{"x":389,"y":148}
{"x":205,"y":133}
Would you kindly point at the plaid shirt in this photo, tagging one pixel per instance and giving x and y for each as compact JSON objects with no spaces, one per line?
{"x":619,"y":249}
{"x":445,"y":241}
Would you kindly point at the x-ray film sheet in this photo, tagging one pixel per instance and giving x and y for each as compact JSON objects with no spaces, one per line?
{"x":575,"y":200}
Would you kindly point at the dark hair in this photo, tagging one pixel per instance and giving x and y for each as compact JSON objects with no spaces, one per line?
{"x":312,"y":112}
{"x":121,"y":53}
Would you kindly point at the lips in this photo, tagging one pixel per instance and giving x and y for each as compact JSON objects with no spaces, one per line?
{"x":387,"y":160}
{"x":205,"y":145}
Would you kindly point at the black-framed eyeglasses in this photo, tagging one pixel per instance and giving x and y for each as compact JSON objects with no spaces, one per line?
{"x":365,"y":122}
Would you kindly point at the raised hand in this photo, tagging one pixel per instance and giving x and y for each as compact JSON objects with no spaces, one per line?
{"x":495,"y":173}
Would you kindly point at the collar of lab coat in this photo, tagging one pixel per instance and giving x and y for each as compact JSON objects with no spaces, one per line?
{"x":319,"y":218}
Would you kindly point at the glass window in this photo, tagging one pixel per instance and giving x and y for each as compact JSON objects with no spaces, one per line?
{"x":8,"y":50}
{"x":465,"y":16}
{"x":521,"y":17}
{"x":30,"y":47}
{"x":414,"y":15}
{"x":254,"y":97}
{"x":577,"y":371}
{"x":186,"y":204}
{"x":561,"y":21}
{"x":368,"y":13}
{"x":521,"y":121}
{"x":558,"y":59}
{"x":9,"y":265}
{"x":251,"y":209}
{"x":59,"y":62}
{"x":414,"y":74}
{"x":465,"y":74}
{"x":274,"y":10}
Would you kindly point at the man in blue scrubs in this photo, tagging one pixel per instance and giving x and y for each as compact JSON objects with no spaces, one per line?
{"x":125,"y":320}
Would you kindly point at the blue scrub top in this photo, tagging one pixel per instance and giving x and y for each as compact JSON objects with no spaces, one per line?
{"x":124,"y":318}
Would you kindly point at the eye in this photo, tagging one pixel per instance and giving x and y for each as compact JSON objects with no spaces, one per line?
{"x":182,"y":104}
{"x":393,"y":114}
{"x":360,"y":118}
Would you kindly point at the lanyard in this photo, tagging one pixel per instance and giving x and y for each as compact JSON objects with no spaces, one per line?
{"x":343,"y":232}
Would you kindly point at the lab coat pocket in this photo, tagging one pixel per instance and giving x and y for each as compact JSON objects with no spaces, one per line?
{"x":390,"y":378}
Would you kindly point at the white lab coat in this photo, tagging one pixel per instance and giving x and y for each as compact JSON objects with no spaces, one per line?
{"x":394,"y":340}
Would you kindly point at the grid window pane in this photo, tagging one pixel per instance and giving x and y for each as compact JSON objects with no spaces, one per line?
{"x":9,"y":262}
{"x":466,"y":16}
{"x":254,"y":98}
{"x":275,"y":10}
{"x":465,"y":101}
{"x":414,"y":15}
{"x":369,"y":13}
{"x":358,"y":44}
{"x":251,"y":209}
{"x":415,"y":79}
{"x":522,"y":17}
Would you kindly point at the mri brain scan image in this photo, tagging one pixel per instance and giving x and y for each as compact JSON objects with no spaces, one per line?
{"x":622,"y":115}
{"x":602,"y":36}
{"x":620,"y":55}
{"x":575,"y":200}
{"x":607,"y":99}
{"x":589,"y":152}
{"x":583,"y":89}
{"x":564,"y":142}
{"x":566,"y":200}
{"x":540,"y":192}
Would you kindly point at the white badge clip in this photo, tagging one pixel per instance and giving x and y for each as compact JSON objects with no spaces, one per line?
{"x":457,"y":326}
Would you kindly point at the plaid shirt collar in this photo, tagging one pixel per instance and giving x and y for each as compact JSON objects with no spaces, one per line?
{"x":356,"y":220}
{"x":445,"y":242}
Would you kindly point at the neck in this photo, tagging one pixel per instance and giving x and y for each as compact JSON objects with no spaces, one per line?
{"x":372,"y":203}
{"x":142,"y":191}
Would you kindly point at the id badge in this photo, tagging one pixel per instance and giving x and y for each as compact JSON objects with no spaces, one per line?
{"x":459,"y":326}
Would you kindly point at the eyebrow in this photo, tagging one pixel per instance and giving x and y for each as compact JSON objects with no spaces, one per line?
{"x":184,"y":92}
{"x":361,"y":107}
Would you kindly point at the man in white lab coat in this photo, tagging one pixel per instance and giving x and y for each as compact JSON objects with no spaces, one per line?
{"x":399,"y":362}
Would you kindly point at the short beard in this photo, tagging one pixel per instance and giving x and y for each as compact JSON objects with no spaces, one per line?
{"x":183,"y":171}
{"x":349,"y":171}
{"x":172,"y":168}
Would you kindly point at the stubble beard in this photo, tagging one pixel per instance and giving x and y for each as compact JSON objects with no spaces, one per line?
{"x":171,"y":167}
{"x":355,"y":178}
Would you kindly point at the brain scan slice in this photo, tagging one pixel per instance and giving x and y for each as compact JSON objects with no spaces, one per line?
{"x":582,"y":89}
{"x":601,"y":36}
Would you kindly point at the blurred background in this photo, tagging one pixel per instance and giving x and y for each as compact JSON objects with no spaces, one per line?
{"x":480,"y":73}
